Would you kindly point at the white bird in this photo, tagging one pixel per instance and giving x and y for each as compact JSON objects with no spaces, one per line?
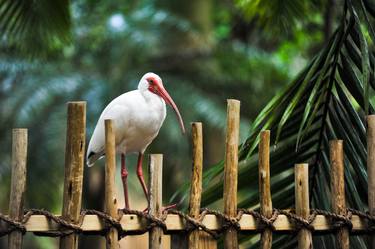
{"x":137,"y":117}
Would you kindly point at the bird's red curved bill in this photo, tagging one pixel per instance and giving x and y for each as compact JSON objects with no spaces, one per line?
{"x":165,"y":95}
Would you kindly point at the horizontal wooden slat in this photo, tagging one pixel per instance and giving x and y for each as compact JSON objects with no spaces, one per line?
{"x":39,"y":223}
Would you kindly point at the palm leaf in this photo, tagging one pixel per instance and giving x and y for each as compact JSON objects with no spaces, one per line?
{"x":328,"y":100}
{"x":34,"y":27}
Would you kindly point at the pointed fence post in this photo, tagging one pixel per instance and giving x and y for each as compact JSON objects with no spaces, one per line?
{"x":110,"y":187}
{"x":338,"y":189}
{"x":302,"y":203}
{"x":231,"y":170}
{"x":264,"y":186}
{"x":18,"y":183}
{"x":371,"y":169}
{"x":74,"y":158}
{"x":155,"y":208}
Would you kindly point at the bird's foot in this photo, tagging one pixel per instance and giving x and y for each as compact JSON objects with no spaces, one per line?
{"x":171,"y":206}
{"x":163,"y":209}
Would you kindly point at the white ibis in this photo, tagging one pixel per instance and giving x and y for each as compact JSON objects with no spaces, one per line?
{"x":137,"y":116}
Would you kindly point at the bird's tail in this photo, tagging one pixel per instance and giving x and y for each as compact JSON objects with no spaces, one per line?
{"x":93,"y":157}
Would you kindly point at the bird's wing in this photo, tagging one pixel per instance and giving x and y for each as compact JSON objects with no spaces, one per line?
{"x":118,"y":110}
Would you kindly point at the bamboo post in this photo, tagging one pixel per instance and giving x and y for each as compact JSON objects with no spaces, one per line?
{"x":198,"y":239}
{"x":110,"y":169}
{"x":371,"y":169}
{"x":264,"y":186}
{"x":18,"y":183}
{"x":302,"y":203}
{"x":155,"y":204}
{"x":74,"y":157}
{"x":338,"y":189}
{"x":230,"y":170}
{"x":196,"y":181}
{"x":178,"y":239}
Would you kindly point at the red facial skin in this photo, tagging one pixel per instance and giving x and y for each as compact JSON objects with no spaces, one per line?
{"x":153,"y":85}
{"x":156,"y":87}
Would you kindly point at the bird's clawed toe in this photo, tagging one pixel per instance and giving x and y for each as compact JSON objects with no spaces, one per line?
{"x":166,"y":208}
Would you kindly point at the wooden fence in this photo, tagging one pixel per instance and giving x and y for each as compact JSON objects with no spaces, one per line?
{"x":198,"y":228}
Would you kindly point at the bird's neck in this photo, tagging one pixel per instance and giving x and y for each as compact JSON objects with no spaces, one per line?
{"x":152,"y":98}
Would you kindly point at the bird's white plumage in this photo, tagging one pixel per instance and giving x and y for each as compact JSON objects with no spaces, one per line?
{"x":137,"y":115}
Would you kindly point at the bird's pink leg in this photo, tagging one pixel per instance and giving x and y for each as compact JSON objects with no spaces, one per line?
{"x":140,"y":175}
{"x":124,"y":177}
{"x":141,"y":179}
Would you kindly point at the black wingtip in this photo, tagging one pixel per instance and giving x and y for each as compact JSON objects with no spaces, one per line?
{"x":91,"y":154}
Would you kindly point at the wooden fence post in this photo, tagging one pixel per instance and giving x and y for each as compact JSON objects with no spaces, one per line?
{"x":371,"y":169}
{"x":198,"y":239}
{"x":338,"y":189}
{"x":155,"y":208}
{"x":18,"y":183}
{"x":178,"y":240}
{"x":302,"y":203}
{"x":196,"y":181}
{"x":264,"y":186}
{"x":74,"y":157}
{"x":110,"y":187}
{"x":231,"y":169}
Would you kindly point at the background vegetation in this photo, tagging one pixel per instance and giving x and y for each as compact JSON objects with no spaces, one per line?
{"x":315,"y":57}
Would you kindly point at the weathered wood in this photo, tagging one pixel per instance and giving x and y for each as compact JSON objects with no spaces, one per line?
{"x":110,"y":187}
{"x":264,"y":186}
{"x":338,"y":189}
{"x":231,"y":170}
{"x":74,"y":157}
{"x":39,"y":223}
{"x":196,"y":181}
{"x":155,"y":191}
{"x":180,"y":240}
{"x":371,"y":169}
{"x":301,"y":182}
{"x":18,"y":183}
{"x":198,"y":239}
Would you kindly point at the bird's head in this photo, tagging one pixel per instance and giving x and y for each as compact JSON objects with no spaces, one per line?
{"x":153,"y":83}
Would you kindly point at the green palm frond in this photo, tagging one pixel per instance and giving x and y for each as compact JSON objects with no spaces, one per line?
{"x":34,"y":27}
{"x":328,"y":100}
